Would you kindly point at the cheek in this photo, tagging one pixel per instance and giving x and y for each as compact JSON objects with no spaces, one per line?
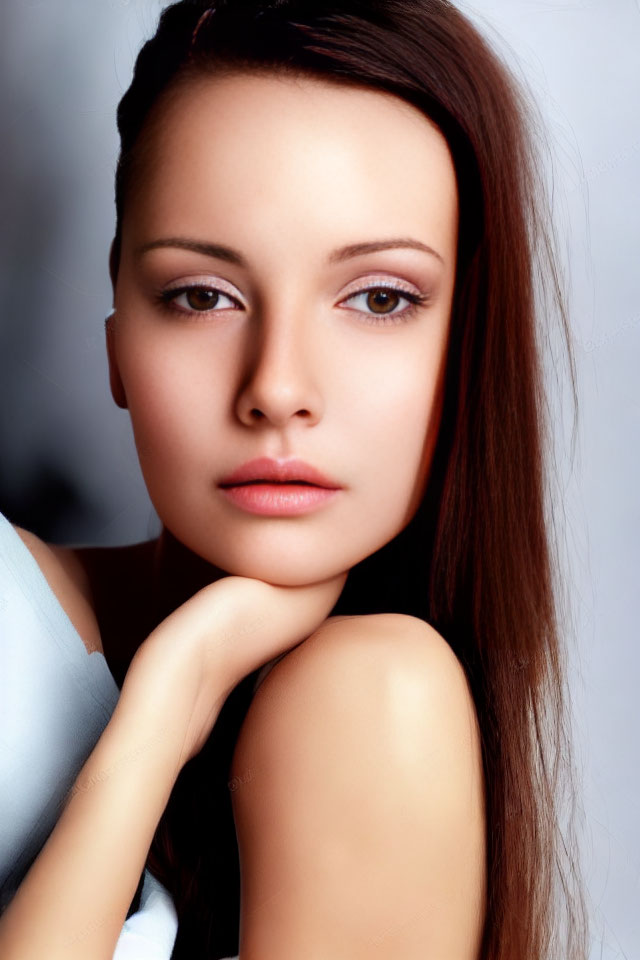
{"x":400,"y":404}
{"x":172,"y":414}
{"x":397,"y":422}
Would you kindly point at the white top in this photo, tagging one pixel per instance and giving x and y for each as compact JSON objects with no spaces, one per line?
{"x":55,"y":701}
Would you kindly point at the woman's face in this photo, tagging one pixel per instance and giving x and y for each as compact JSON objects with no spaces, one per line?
{"x":276,"y":351}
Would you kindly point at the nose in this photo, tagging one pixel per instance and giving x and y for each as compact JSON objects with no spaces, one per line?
{"x":279,"y":384}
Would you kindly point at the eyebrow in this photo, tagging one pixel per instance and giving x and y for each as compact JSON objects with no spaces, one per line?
{"x":221,"y":252}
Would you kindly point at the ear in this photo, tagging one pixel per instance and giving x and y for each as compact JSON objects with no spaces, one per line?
{"x":114,"y":256}
{"x":115,"y":381}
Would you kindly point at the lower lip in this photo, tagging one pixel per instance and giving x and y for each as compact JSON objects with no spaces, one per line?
{"x":279,"y":499}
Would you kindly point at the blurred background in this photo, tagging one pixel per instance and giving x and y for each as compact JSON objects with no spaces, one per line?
{"x":68,"y":466}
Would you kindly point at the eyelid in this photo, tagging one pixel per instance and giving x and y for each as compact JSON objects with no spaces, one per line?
{"x":384,"y":280}
{"x":207,"y":283}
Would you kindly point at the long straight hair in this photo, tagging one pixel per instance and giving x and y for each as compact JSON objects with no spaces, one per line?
{"x":479,"y":559}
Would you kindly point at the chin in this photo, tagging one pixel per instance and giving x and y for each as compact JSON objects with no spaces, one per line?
{"x":288,"y":561}
{"x":283,"y":574}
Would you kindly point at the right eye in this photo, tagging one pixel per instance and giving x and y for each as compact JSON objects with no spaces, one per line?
{"x":195,"y":299}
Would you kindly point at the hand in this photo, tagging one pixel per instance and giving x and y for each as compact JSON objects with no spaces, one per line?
{"x":229,"y":628}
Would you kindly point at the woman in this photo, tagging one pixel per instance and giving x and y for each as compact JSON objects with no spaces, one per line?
{"x":350,"y":188}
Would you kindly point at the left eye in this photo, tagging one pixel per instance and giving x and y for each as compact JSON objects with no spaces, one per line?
{"x":378,"y":299}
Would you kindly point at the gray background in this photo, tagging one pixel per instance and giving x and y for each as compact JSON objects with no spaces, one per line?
{"x":68,"y":467}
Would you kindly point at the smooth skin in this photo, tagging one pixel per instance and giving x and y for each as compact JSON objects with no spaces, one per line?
{"x":358,"y":790}
{"x":358,"y":799}
{"x":291,"y":359}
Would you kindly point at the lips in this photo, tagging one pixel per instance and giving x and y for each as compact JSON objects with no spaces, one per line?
{"x":266,"y":470}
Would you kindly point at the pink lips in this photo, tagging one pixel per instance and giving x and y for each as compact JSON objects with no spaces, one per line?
{"x":263,"y":468}
{"x":278,"y":487}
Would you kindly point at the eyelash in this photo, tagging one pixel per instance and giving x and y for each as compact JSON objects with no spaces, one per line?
{"x":165,"y":300}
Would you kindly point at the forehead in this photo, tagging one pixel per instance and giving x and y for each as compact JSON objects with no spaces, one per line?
{"x":245,"y":144}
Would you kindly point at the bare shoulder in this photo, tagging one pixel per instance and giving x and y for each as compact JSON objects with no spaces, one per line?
{"x":387,"y":672}
{"x":67,"y":577}
{"x":397,"y":648}
{"x":391,"y":663}
{"x":363,"y":743}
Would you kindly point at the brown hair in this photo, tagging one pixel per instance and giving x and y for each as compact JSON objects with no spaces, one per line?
{"x":477,"y":561}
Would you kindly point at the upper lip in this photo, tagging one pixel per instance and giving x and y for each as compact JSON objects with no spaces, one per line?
{"x":264,"y":468}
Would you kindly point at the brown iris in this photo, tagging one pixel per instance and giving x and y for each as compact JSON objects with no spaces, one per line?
{"x":377,"y":299}
{"x":200,"y":298}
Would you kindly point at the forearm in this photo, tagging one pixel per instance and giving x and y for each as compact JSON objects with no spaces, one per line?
{"x":74,"y":900}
